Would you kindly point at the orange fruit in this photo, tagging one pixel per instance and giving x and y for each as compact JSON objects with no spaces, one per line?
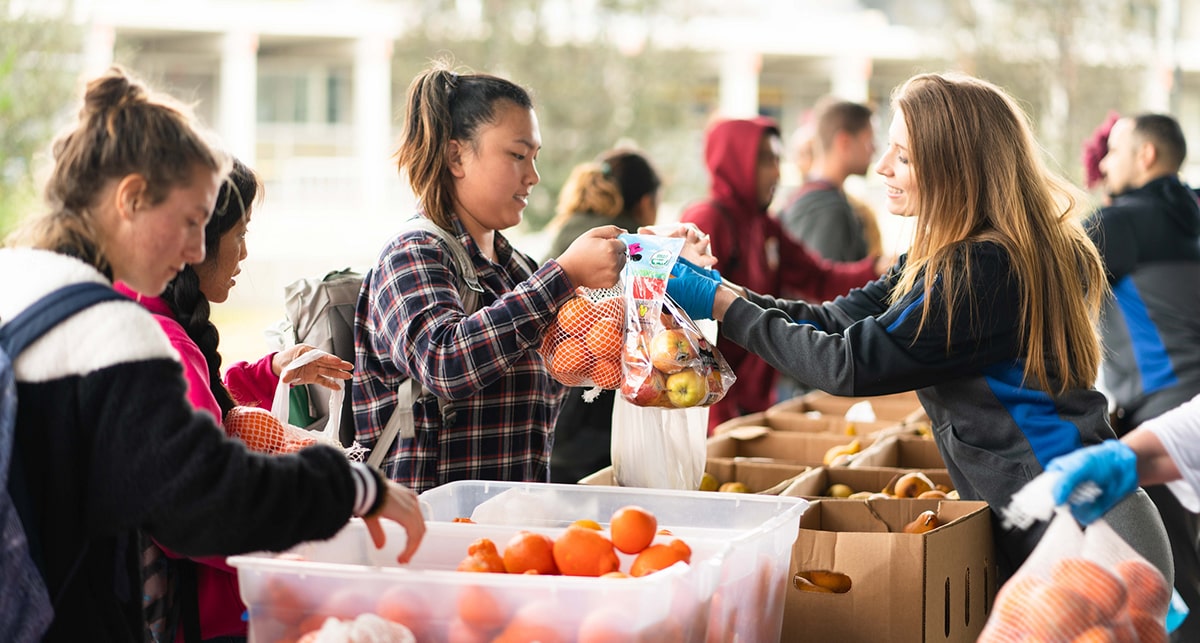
{"x":606,"y":373}
{"x":654,"y":558}
{"x":283,"y":603}
{"x":292,"y":445}
{"x":606,"y":625}
{"x":404,"y":606}
{"x":260,"y":430}
{"x":576,"y":316}
{"x":537,"y":622}
{"x":460,"y":632}
{"x":1092,"y":581}
{"x":482,"y":557}
{"x":1150,"y":629}
{"x":1053,"y":612}
{"x":1148,"y":591}
{"x":530,"y":552}
{"x":616,"y":574}
{"x":481,"y":610}
{"x":632,"y":529}
{"x":1096,"y":634}
{"x":604,"y":338}
{"x":587,"y":524}
{"x":681,"y":548}
{"x":571,"y":358}
{"x":464,"y":520}
{"x":584,"y":552}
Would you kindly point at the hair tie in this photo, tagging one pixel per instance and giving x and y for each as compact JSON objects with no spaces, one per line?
{"x":606,"y":170}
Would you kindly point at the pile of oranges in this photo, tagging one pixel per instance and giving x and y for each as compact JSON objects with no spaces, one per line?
{"x":1081,"y":601}
{"x":583,"y":549}
{"x":583,"y":344}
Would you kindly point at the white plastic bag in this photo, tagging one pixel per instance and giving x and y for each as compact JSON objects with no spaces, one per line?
{"x":329,"y":435}
{"x":658,"y":448}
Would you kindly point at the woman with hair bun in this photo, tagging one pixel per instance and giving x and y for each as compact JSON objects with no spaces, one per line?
{"x":107,"y":449}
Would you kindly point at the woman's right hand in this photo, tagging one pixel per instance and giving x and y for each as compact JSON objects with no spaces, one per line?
{"x":399,"y":505}
{"x":596,"y":258}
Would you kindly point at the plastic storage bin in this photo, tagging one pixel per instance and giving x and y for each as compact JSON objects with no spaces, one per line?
{"x":760,"y":530}
{"x":293,"y":593}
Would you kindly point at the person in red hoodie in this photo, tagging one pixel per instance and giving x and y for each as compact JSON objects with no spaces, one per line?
{"x":752,"y":250}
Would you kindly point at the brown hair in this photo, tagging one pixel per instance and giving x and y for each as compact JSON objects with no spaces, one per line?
{"x":588,"y":190}
{"x":443,"y":106}
{"x":980,"y":179}
{"x":840,"y":116}
{"x":123,"y":129}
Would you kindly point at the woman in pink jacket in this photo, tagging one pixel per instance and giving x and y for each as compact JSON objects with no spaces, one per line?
{"x":206,"y":605}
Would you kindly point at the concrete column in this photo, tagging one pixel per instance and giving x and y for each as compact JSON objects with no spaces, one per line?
{"x":373,"y":117}
{"x":237,"y":94}
{"x":738,"y":84}
{"x":850,"y":78}
{"x":98,"y":50}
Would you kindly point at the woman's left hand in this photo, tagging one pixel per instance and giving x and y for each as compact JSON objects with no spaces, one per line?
{"x":326,"y":370}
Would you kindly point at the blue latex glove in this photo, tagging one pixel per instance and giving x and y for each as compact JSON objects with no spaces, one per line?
{"x":711,"y":273}
{"x":692,"y":290}
{"x":1110,"y":465}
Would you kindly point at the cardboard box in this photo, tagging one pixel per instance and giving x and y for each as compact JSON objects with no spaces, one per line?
{"x":936,"y":586}
{"x":805,"y":422}
{"x":758,"y":476}
{"x":903,"y":452}
{"x":780,"y":446}
{"x":815,"y":482}
{"x":894,"y":408}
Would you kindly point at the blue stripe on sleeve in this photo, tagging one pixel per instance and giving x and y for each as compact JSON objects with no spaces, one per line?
{"x":1154,"y":365}
{"x":1033,"y":411}
{"x":905,"y":313}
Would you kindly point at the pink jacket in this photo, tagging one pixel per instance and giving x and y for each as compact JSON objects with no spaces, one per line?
{"x":220,"y":602}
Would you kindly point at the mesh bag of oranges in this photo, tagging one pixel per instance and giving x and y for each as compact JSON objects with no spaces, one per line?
{"x":268,"y":431}
{"x":667,"y":362}
{"x":582,"y":346}
{"x":1081,"y":585}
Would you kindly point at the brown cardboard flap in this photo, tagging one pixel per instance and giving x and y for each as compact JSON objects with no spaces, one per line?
{"x":759,"y":475}
{"x":798,"y":448}
{"x":905,"y":452}
{"x":887,"y":408}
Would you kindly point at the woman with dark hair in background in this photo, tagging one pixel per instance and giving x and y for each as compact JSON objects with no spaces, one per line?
{"x":620,"y":188}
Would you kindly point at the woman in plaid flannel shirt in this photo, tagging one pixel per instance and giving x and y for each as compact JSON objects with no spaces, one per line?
{"x":469,"y":148}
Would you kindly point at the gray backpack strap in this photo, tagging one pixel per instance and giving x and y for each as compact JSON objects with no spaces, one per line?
{"x":402,"y":423}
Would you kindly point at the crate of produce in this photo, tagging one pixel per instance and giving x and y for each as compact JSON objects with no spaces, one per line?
{"x":807,"y":422}
{"x":728,"y":475}
{"x":871,"y":482}
{"x":810,"y":449}
{"x":893,"y":408}
{"x":345,"y":578}
{"x":881,"y":570}
{"x":900,"y":451}
{"x":747,"y":604}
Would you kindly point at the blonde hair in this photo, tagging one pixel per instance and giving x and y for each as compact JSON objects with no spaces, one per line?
{"x":123,"y":129}
{"x":588,"y":189}
{"x":980,"y":178}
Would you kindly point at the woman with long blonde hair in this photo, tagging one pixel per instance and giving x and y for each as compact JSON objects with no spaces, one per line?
{"x":990,"y":316}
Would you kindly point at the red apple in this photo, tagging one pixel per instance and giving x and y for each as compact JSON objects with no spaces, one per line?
{"x":651,"y":388}
{"x":671,"y":350}
{"x":686,"y":388}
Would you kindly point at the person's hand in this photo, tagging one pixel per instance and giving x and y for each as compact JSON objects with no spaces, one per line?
{"x":399,"y":505}
{"x":596,"y":258}
{"x":1110,"y":465}
{"x":706,"y":271}
{"x":325,"y":370}
{"x":693,"y":291}
{"x":696,"y":246}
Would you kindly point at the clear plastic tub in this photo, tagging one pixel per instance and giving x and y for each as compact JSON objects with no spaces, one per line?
{"x":293,"y":593}
{"x":759,"y":529}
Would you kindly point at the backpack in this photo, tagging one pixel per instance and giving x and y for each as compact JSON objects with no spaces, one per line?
{"x":321,"y":313}
{"x":25,"y":606}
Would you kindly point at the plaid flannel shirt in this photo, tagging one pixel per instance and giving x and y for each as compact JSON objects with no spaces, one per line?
{"x":501,"y":402}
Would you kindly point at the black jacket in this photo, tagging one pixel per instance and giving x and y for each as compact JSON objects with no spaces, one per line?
{"x":1150,"y":241}
{"x":112,"y":449}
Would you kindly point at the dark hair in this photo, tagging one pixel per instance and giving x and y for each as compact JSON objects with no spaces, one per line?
{"x":632,"y":172}
{"x":183,"y":294}
{"x":841,"y":116}
{"x":442,"y":106}
{"x":1165,"y":134}
{"x":123,"y":129}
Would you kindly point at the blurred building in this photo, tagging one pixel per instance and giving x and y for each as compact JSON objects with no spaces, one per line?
{"x":305,"y":90}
